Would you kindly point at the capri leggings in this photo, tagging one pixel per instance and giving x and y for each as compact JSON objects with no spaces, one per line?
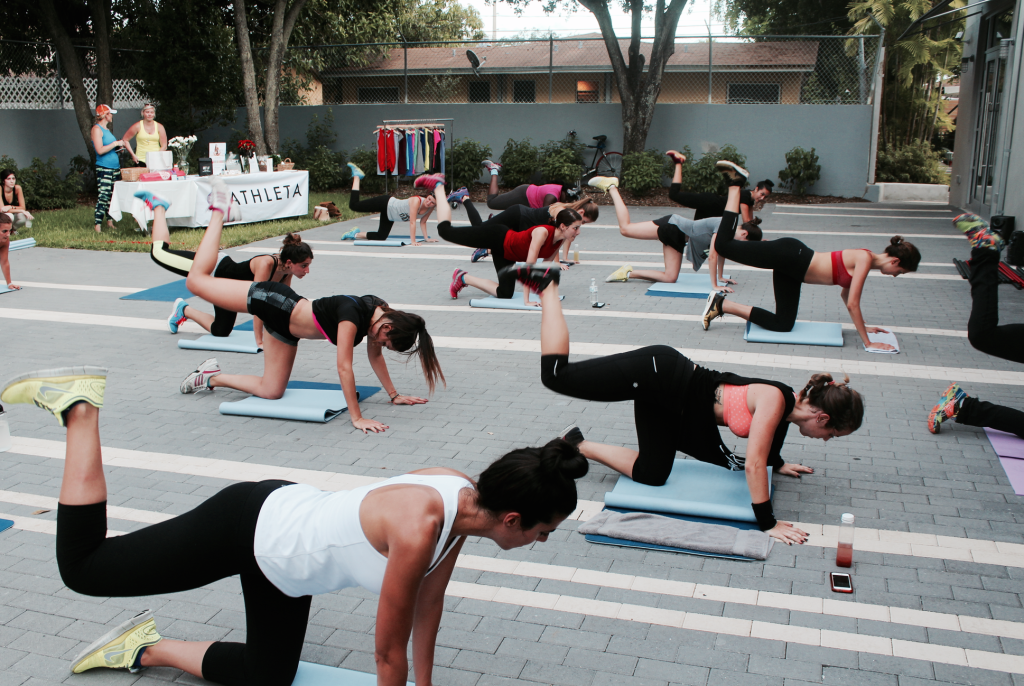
{"x":490,"y":237}
{"x":983,"y":329}
{"x":105,"y":179}
{"x":212,"y":542}
{"x":705,"y":204}
{"x":788,"y":259}
{"x":377,"y":204}
{"x":503,"y":201}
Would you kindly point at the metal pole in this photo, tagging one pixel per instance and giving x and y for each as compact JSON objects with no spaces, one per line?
{"x":405,"y":71}
{"x":709,"y":67}
{"x":876,"y":111}
{"x":551,"y":65}
{"x":862,"y":64}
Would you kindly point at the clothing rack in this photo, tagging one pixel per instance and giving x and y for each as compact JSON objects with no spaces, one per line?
{"x":449,"y":128}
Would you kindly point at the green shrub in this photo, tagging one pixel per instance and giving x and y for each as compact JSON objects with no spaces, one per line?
{"x":462,"y":163}
{"x":642,"y":171}
{"x":366,"y":160}
{"x":802,"y":170}
{"x":327,"y":170}
{"x":82,"y":167}
{"x":42,"y":184}
{"x":561,"y":166}
{"x":519,"y":162}
{"x":914,"y":163}
{"x":702,"y":177}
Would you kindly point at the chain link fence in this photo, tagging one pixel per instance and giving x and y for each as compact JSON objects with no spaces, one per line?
{"x":786,"y":70}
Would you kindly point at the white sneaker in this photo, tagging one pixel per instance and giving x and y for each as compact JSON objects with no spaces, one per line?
{"x":199,"y":380}
{"x":603,"y":182}
{"x":220,"y":199}
{"x":490,"y":166}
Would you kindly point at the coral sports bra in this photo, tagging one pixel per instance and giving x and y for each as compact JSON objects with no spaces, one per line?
{"x":841,"y":277}
{"x":734,"y":410}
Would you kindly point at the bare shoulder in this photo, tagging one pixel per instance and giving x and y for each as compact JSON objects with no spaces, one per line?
{"x":442,"y":471}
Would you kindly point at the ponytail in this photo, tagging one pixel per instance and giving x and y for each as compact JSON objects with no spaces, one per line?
{"x":843,"y":405}
{"x":907,"y":253}
{"x":567,"y":217}
{"x":408,"y":336}
{"x":295,"y":250}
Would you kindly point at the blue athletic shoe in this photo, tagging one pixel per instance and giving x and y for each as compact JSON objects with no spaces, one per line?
{"x":478,"y":254}
{"x":177,"y":317}
{"x":350,"y":236}
{"x":356,"y":171}
{"x":152,"y":201}
{"x":456,"y":197}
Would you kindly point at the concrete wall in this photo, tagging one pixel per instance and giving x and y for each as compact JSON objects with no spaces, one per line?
{"x":764,"y":133}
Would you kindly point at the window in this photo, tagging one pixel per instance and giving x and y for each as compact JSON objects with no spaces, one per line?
{"x":753,"y":94}
{"x":587,"y":91}
{"x":479,"y":91}
{"x":378,"y":94}
{"x":524,"y":91}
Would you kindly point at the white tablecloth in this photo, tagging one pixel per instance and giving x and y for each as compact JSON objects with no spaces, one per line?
{"x":262,"y":196}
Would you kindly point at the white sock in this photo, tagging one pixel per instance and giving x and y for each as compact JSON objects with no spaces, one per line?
{"x":494,"y":172}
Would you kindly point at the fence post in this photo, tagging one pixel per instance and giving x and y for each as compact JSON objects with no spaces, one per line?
{"x":710,"y":41}
{"x":551,"y":65}
{"x":862,"y":64}
{"x":405,"y":71}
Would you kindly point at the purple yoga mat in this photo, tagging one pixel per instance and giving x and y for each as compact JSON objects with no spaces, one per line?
{"x":1006,"y":445}
{"x":1014,"y":469}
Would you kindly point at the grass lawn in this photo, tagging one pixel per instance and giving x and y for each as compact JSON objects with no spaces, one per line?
{"x":74,"y":229}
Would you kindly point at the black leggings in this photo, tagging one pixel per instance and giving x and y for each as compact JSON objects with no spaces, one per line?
{"x":983,"y":330}
{"x":503,"y":201}
{"x":788,"y":259}
{"x":180,"y":262}
{"x":976,"y":412}
{"x":705,"y":204}
{"x":212,"y":542}
{"x":377,"y":204}
{"x":483,"y":236}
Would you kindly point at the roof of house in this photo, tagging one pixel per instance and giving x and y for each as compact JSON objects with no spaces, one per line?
{"x":591,"y":55}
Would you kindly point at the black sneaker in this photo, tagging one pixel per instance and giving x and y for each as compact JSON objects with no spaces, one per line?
{"x":734,"y":174}
{"x":572,"y":435}
{"x":534,"y":277}
{"x":713,"y":310}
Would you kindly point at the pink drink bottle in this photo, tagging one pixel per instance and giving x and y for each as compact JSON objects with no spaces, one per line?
{"x":844,"y":552}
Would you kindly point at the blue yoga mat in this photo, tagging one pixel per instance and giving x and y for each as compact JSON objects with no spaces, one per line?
{"x":5,"y":524}
{"x":679,"y":290}
{"x":22,"y":244}
{"x":389,"y":243}
{"x":513,"y":303}
{"x":694,"y":488}
{"x":697,"y":279}
{"x":5,"y":289}
{"x":626,"y":543}
{"x":246,"y":326}
{"x":310,"y":674}
{"x":303,"y":401}
{"x":803,"y":333}
{"x":237,"y":341}
{"x":169,"y":292}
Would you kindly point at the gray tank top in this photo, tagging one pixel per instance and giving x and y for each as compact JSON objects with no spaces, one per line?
{"x":398,"y":210}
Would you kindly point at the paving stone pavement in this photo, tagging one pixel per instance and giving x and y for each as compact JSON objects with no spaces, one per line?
{"x":892,"y":474}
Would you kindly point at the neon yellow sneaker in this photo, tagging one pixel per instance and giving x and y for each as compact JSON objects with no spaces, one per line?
{"x":121,"y":648}
{"x":620,"y":274}
{"x":56,"y":390}
{"x":603,"y":182}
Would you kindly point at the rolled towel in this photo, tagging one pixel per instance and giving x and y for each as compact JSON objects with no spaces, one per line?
{"x":678,"y":533}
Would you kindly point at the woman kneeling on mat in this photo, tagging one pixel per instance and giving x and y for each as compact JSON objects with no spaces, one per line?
{"x":344,"y":320}
{"x":675,"y":233}
{"x":678,"y":406}
{"x":398,"y":538}
{"x":391,"y":210}
{"x":293,"y":260}
{"x":794,"y":264}
{"x":506,"y":245}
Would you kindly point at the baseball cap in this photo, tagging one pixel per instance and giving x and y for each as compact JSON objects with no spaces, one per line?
{"x":104,"y":109}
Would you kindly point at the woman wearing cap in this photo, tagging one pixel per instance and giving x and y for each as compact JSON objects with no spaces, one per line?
{"x":108,"y":165}
{"x":150,"y":135}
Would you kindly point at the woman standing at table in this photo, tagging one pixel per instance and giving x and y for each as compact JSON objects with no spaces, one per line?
{"x":108,"y":165}
{"x":150,"y":135}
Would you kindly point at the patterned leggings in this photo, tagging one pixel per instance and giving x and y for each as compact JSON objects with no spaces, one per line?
{"x":105,"y":179}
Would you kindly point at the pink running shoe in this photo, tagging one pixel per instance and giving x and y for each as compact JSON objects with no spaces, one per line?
{"x":458,"y":283}
{"x":428,"y":181}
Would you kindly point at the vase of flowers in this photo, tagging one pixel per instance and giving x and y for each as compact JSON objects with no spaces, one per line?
{"x":181,"y":146}
{"x":246,"y":149}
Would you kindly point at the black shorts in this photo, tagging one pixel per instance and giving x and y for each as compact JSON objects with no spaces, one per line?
{"x":670,"y":235}
{"x":273,"y":303}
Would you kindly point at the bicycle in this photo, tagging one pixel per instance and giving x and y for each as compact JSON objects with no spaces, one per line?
{"x":602,"y":164}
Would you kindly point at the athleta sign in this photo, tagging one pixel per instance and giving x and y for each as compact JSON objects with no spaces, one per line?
{"x":261,"y":197}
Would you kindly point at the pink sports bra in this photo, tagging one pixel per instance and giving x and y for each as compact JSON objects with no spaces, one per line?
{"x":841,"y":277}
{"x":734,"y":410}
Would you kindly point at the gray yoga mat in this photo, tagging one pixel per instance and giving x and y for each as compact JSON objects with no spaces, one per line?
{"x":803,"y":333}
{"x":310,"y":674}
{"x":303,"y":401}
{"x":235,"y":342}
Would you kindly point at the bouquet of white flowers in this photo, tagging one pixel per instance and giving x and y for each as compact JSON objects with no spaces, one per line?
{"x":182,"y":147}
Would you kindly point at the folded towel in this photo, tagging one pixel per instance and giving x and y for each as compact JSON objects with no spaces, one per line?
{"x":678,"y":533}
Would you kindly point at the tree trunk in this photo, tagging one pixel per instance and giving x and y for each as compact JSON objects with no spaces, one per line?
{"x":71,"y":65}
{"x":638,"y":90}
{"x":252,"y":98}
{"x":100,"y":10}
{"x":281,"y":31}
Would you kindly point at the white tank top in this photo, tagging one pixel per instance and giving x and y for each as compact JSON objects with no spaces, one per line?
{"x":310,"y":541}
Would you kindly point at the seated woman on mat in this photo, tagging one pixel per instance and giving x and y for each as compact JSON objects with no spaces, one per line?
{"x":6,"y":229}
{"x":709,"y":204}
{"x":675,"y":233}
{"x":507,"y":247}
{"x":678,"y":406}
{"x":398,"y":538}
{"x":344,"y":320}
{"x":794,"y":264}
{"x":526,"y":194}
{"x":391,"y":210}
{"x":293,"y":260}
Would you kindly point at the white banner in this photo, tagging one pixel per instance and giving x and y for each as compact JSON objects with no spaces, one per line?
{"x":261,"y":196}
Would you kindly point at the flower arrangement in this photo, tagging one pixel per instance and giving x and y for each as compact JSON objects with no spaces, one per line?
{"x":182,"y":148}
{"x":246,"y":148}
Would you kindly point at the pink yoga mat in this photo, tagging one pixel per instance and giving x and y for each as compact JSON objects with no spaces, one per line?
{"x":1006,"y":445}
{"x":1014,"y":469}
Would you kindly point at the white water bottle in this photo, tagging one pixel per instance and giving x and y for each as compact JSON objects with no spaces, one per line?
{"x":5,"y":432}
{"x":593,"y":292}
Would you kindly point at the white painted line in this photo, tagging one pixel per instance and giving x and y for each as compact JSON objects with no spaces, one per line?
{"x":41,"y":526}
{"x":860,"y":216}
{"x":78,"y":287}
{"x":95,"y":319}
{"x":889,"y":234}
{"x":851,"y":207}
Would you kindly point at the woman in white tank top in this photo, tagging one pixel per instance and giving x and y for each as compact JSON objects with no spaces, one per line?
{"x":399,"y":538}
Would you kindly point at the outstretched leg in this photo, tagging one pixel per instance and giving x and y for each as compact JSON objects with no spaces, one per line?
{"x":983,"y":330}
{"x":227,"y":294}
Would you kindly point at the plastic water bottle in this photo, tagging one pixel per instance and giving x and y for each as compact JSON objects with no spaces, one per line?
{"x":5,"y":432}
{"x":593,"y":292}
{"x":844,"y":551}
{"x":576,"y":253}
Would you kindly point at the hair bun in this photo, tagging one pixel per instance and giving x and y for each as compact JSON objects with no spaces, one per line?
{"x":561,"y":457}
{"x":895,"y":240}
{"x":291,"y":239}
